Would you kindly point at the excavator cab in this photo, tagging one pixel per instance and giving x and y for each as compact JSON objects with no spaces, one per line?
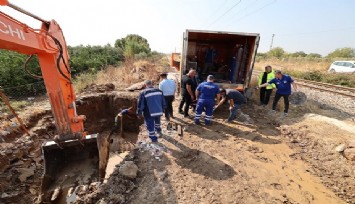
{"x":71,"y":158}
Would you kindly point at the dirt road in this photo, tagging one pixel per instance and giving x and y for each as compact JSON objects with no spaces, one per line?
{"x":259,"y":158}
{"x":271,"y":160}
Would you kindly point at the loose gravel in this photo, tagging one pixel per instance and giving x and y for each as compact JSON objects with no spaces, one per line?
{"x":334,"y":101}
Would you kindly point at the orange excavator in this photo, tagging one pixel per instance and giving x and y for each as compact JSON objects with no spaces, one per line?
{"x":70,"y":150}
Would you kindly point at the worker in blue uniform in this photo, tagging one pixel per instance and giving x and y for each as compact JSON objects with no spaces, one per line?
{"x":283,"y":84}
{"x":206,"y":93}
{"x":151,"y":104}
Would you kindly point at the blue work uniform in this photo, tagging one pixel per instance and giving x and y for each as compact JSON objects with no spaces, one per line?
{"x":207,"y":93}
{"x":151,"y":104}
{"x":283,"y":87}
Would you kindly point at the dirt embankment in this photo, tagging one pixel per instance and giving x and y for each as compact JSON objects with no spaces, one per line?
{"x":21,"y":159}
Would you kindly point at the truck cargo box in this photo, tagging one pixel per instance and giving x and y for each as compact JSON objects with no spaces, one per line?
{"x":229,"y":56}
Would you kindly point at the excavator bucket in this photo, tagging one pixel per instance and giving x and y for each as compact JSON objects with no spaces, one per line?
{"x":73,"y":163}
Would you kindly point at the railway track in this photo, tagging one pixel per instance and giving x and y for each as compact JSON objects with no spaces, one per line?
{"x":336,"y":89}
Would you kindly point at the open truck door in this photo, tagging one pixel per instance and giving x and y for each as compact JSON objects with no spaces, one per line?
{"x":183,"y":54}
{"x":229,"y":56}
{"x":250,"y":72}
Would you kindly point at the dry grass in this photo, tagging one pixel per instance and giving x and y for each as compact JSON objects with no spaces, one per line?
{"x":16,"y":105}
{"x":295,"y":64}
{"x":83,"y":80}
{"x":314,"y":69}
{"x":129,"y":73}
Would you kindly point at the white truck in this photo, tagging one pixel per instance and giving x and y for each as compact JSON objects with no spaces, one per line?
{"x":229,"y":56}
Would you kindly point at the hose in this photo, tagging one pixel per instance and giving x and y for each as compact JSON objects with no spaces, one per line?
{"x":27,"y":71}
{"x":60,"y":57}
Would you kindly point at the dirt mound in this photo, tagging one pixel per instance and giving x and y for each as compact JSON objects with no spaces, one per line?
{"x":129,"y":73}
{"x":98,"y":88}
{"x":21,"y":164}
{"x":136,"y":86}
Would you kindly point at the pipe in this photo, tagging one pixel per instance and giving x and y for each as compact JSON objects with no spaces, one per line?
{"x":27,"y":13}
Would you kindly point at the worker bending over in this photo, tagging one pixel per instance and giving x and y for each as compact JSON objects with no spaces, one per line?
{"x":206,"y":93}
{"x":151,"y":104}
{"x":235,"y":100}
{"x":283,"y":85}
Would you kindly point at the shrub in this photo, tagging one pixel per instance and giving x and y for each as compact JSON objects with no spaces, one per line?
{"x":84,"y":79}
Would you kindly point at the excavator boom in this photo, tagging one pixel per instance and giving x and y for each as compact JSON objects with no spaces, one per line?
{"x":49,"y":45}
{"x":71,"y":146}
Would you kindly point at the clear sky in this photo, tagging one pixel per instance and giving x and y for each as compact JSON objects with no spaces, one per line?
{"x":312,"y":26}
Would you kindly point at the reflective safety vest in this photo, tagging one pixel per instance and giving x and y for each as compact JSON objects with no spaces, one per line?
{"x":269,"y":77}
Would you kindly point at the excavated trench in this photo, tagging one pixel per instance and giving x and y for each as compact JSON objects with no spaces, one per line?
{"x":100,"y":111}
{"x":82,"y":171}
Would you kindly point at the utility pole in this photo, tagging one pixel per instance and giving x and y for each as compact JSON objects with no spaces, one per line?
{"x":272,"y":40}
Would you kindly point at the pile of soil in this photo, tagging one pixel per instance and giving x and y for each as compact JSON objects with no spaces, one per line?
{"x":98,"y":88}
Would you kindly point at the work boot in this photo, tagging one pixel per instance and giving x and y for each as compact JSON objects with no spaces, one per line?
{"x":208,"y":123}
{"x":154,"y":138}
{"x":159,"y":134}
{"x":272,"y":112}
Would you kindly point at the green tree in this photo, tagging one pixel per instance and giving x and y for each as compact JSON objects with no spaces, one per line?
{"x":133,"y":44}
{"x":92,"y":58}
{"x":82,"y":59}
{"x":314,"y":55}
{"x":298,"y":54}
{"x":277,"y":52}
{"x":345,"y":52}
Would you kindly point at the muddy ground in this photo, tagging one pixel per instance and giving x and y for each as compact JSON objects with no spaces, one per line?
{"x":259,"y":158}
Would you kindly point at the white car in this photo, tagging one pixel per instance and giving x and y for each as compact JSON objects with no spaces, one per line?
{"x":342,"y":66}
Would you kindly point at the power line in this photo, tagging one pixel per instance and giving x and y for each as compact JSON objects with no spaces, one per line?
{"x":248,"y":14}
{"x":245,"y":8}
{"x":225,"y":13}
{"x":219,"y":8}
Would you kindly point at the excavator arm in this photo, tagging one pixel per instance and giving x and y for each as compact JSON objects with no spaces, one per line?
{"x":71,"y":148}
{"x":49,"y":45}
